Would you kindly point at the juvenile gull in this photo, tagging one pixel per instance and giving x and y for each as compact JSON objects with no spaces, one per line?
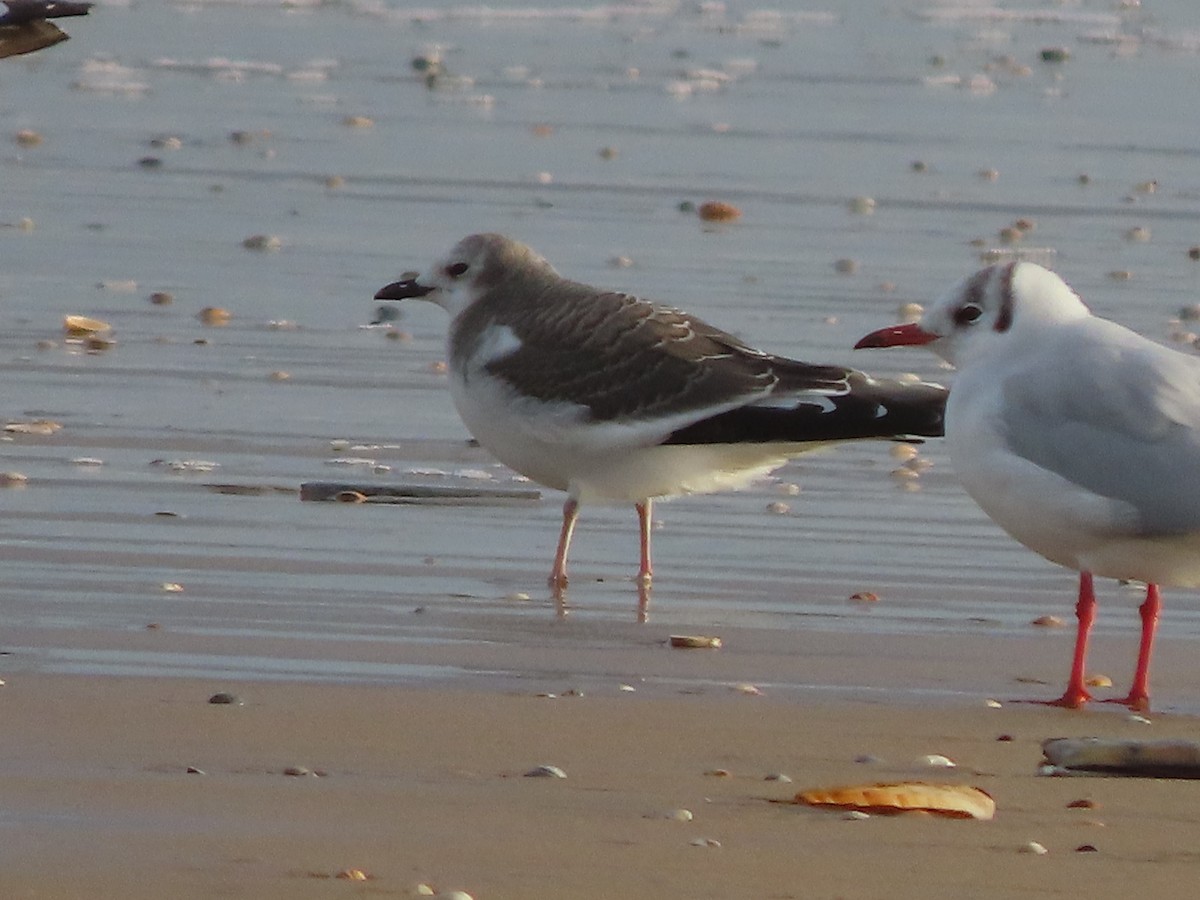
{"x":613,"y":398}
{"x":24,"y":29}
{"x":1077,"y":436}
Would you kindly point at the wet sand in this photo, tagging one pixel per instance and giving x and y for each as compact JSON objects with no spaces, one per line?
{"x":424,"y":785}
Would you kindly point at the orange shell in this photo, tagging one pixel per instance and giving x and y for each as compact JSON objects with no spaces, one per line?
{"x":718,"y":211}
{"x":954,"y":800}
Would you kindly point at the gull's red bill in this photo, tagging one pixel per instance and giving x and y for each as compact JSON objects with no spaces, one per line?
{"x":911,"y":335}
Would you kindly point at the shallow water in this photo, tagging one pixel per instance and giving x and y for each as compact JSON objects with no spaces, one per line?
{"x":787,"y":115}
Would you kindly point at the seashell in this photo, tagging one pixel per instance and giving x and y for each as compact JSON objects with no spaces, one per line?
{"x":749,"y":690}
{"x":695,"y":641}
{"x":1083,"y":803}
{"x":353,"y":875}
{"x":936,"y":760}
{"x":865,"y":597}
{"x":546,"y":772}
{"x":1035,"y":848}
{"x":1138,"y":233}
{"x":718,"y":211}
{"x":1048,"y":622}
{"x":679,"y":815}
{"x":223,"y":698}
{"x":706,"y":842}
{"x":27,"y":137}
{"x":863,"y":206}
{"x":951,"y":800}
{"x":13,"y":479}
{"x":1102,"y":681}
{"x":82,"y":326}
{"x":358,"y":122}
{"x":172,"y":587}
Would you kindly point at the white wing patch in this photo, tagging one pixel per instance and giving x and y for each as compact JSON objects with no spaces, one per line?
{"x":497,"y":342}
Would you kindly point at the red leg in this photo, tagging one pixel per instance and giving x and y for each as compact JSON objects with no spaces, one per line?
{"x":558,"y":575}
{"x":645,"y":570}
{"x":1139,"y":693}
{"x":1076,"y":693}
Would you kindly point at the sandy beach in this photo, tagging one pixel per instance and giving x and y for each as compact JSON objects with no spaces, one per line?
{"x":414,"y":785}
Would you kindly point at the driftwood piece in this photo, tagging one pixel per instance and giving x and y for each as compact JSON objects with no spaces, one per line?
{"x":454,"y":495}
{"x":1105,"y":756}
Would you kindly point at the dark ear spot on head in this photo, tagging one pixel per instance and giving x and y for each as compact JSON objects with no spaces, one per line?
{"x":1004,"y":316}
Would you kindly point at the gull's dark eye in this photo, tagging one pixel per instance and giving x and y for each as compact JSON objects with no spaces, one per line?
{"x":967,"y":313}
{"x":454,"y":270}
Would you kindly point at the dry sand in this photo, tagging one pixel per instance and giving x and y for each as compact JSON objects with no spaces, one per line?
{"x":423,"y":784}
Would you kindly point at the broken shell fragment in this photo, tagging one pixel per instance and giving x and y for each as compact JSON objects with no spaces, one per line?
{"x":546,"y":772}
{"x":695,"y":641}
{"x":951,"y":800}
{"x":82,"y":326}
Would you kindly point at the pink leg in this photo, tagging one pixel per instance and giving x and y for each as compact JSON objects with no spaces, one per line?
{"x":645,"y":570}
{"x":558,"y":575}
{"x":1076,"y":693}
{"x":1139,"y":693}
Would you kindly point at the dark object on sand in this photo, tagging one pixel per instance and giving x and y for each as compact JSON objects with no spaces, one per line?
{"x":24,"y":28}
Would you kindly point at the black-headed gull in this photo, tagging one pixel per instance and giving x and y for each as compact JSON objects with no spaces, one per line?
{"x":613,"y":398}
{"x":24,"y":29}
{"x":1077,"y":436}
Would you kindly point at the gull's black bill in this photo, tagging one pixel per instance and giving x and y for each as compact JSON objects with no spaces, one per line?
{"x":402,"y":290}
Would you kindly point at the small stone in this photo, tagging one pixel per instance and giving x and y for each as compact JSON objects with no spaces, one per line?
{"x":778,"y":508}
{"x":1136,"y":719}
{"x":719,"y":211}
{"x":1082,"y":803}
{"x":263,"y":242}
{"x":749,"y":690}
{"x":224,"y":698}
{"x":1055,"y":54}
{"x":863,"y":206}
{"x":162,"y":298}
{"x":27,"y":137}
{"x":452,"y":895}
{"x":988,"y":174}
{"x":1138,"y":233}
{"x":626,"y":688}
{"x":718,"y":773}
{"x":1004,"y":738}
{"x":297,"y":772}
{"x":516,"y":595}
{"x":855,"y":815}
{"x":993,"y":704}
{"x":358,"y":122}
{"x":192,"y":770}
{"x":679,"y":815}
{"x":1120,"y":275}
{"x":1035,"y":848}
{"x":1100,"y":681}
{"x":919,"y":166}
{"x":279,"y":375}
{"x":1194,"y":253}
{"x":608,"y":152}
{"x":778,"y":776}
{"x":707,"y":842}
{"x":1146,"y":187}
{"x":333,"y":182}
{"x":845,"y":266}
{"x":546,"y":772}
{"x":13,"y":479}
{"x":1086,"y":848}
{"x":172,"y":587}
{"x":214,"y":315}
{"x":865,"y":597}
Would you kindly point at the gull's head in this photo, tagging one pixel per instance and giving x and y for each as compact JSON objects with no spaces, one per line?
{"x":985,"y":312}
{"x":476,"y":265}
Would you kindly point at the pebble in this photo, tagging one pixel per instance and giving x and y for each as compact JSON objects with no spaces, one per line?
{"x":224,"y":698}
{"x":1035,"y":848}
{"x":778,"y":508}
{"x":1120,"y":275}
{"x":162,"y":298}
{"x":749,"y":690}
{"x":353,"y":875}
{"x":333,"y":182}
{"x":988,"y":174}
{"x":546,"y":772}
{"x":192,"y":770}
{"x":27,"y":137}
{"x":1136,"y":719}
{"x":626,"y":688}
{"x":863,"y":206}
{"x":1082,"y":803}
{"x":1055,"y":54}
{"x":608,"y":152}
{"x":263,"y":242}
{"x":1138,"y":233}
{"x":358,"y":122}
{"x":706,"y":842}
{"x":452,"y":895}
{"x":694,"y":641}
{"x":297,"y":772}
{"x":1101,"y":681}
{"x":855,"y":815}
{"x":845,"y":266}
{"x":1086,"y":848}
{"x":993,"y":704}
{"x":1194,"y":252}
{"x":173,"y":587}
{"x":778,"y":776}
{"x":13,"y":479}
{"x":679,"y":815}
{"x":214,"y":315}
{"x":718,"y":211}
{"x":865,"y":597}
